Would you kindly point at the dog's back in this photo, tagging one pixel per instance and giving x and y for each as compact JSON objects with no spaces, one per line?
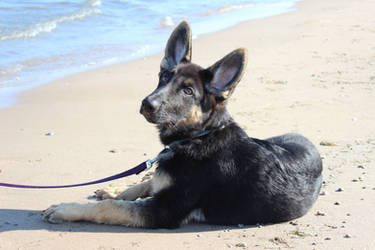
{"x":246,"y":180}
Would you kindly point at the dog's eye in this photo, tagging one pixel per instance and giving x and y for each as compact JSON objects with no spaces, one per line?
{"x":188,"y":91}
{"x":166,"y":76}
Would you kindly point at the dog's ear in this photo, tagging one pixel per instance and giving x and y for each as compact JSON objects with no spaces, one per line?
{"x":178,"y":47}
{"x":221,"y":78}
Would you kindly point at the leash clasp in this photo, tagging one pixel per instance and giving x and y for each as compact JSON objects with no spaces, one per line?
{"x":150,"y":162}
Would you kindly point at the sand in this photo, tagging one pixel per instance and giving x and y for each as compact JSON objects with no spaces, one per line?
{"x":310,"y":71}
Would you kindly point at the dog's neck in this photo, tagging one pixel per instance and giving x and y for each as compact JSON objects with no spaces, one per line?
{"x":216,"y":120}
{"x":190,"y":139}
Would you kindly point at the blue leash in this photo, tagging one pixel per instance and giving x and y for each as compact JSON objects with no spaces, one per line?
{"x":136,"y":170}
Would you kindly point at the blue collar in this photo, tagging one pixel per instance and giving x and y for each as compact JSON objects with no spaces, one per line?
{"x":201,"y":134}
{"x":168,"y":151}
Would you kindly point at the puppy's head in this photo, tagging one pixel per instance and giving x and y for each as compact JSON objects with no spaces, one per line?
{"x":187,"y":95}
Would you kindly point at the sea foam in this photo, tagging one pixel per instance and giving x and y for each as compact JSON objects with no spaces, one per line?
{"x":48,"y":26}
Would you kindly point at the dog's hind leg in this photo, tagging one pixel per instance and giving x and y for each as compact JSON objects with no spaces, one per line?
{"x":141,"y":190}
{"x":109,"y":192}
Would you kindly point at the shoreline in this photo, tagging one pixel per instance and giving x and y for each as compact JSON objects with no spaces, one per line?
{"x":309,"y":71}
{"x":20,"y":81}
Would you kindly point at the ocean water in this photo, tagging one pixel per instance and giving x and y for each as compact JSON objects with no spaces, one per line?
{"x":44,"y":40}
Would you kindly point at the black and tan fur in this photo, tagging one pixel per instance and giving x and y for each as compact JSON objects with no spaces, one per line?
{"x":224,"y":177}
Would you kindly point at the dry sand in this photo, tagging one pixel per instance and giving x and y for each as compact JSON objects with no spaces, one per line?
{"x":310,"y":71}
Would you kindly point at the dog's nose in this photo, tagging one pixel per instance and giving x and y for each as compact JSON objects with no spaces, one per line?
{"x":147,"y":106}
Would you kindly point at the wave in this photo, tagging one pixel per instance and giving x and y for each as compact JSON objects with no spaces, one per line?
{"x":226,"y":9}
{"x":142,"y":51}
{"x":92,"y":3}
{"x":166,"y":22}
{"x":9,"y":73}
{"x":48,"y":26}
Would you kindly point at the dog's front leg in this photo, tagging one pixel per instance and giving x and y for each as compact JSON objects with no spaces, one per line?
{"x":128,"y":213}
{"x":166,"y":209}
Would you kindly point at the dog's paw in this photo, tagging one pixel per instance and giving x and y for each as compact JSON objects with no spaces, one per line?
{"x":108,"y":193}
{"x":63,"y":212}
{"x":53,"y":214}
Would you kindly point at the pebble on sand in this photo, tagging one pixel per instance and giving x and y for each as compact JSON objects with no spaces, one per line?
{"x":327,"y":143}
{"x":324,"y":192}
{"x":319,"y":213}
{"x":242,"y":244}
{"x":294,"y":223}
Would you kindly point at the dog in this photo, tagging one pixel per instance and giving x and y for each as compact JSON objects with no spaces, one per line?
{"x":212,"y":172}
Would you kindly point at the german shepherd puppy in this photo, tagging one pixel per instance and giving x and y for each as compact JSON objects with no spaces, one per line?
{"x":221,"y":176}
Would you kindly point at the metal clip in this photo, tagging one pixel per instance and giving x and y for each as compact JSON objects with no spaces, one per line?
{"x":150,"y":162}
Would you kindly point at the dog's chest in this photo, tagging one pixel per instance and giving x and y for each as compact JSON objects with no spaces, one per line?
{"x":160,"y":181}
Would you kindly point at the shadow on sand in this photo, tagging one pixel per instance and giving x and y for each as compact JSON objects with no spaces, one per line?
{"x":17,"y":220}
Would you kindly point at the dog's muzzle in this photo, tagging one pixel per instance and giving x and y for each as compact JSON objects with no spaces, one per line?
{"x":148,"y":109}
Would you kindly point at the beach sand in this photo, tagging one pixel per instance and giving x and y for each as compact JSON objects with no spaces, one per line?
{"x":310,"y":71}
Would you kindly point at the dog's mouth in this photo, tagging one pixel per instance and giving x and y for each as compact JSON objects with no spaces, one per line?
{"x":156,"y":118}
{"x":159,"y":122}
{"x":150,"y":117}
